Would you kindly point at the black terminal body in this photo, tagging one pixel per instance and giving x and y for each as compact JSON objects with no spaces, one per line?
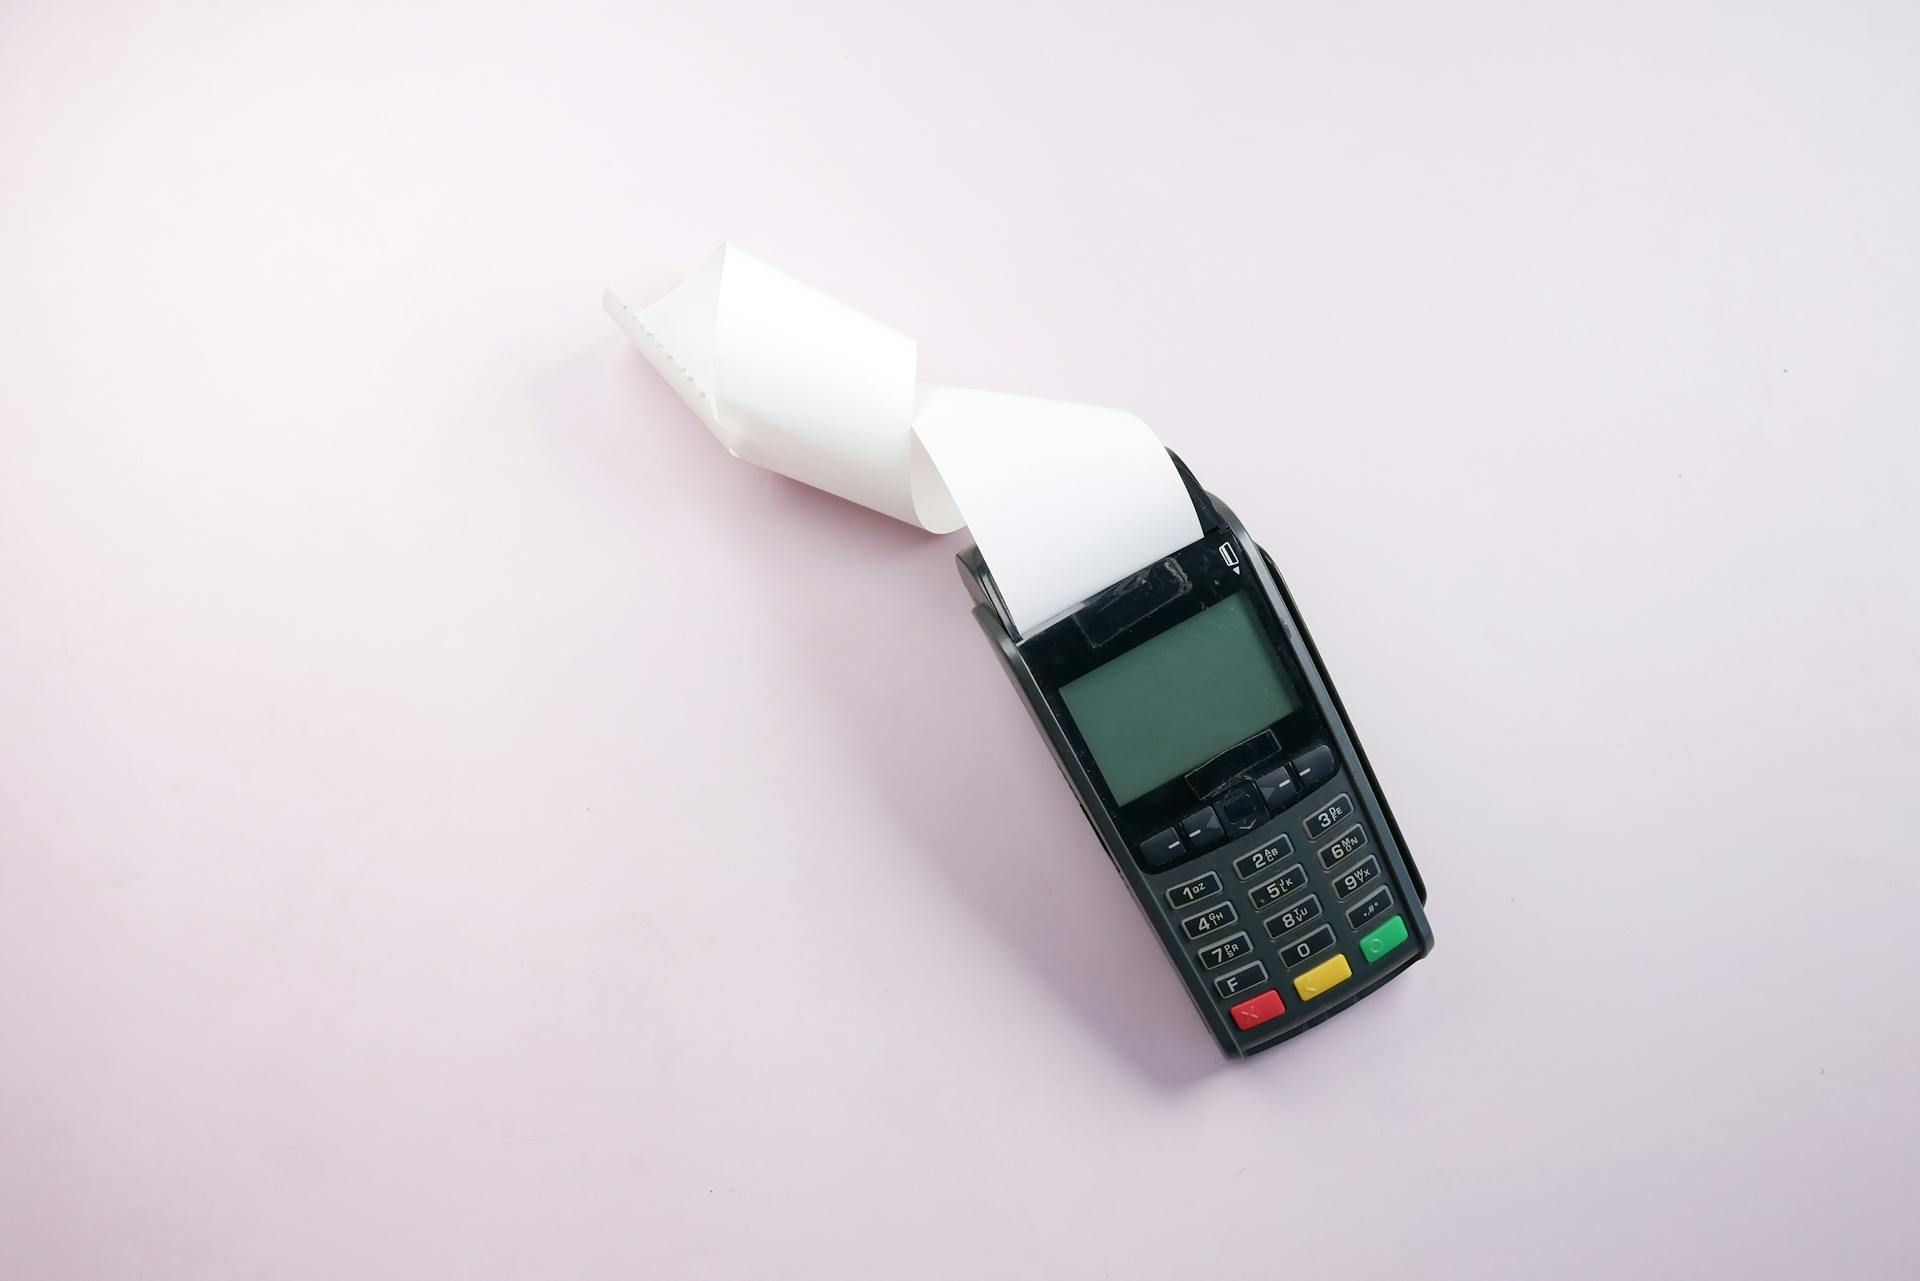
{"x":1272,"y":869}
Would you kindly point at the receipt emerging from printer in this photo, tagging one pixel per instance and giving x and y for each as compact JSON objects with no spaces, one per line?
{"x":1063,"y":499}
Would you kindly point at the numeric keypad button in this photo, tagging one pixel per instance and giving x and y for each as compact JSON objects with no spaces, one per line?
{"x":1201,"y":924}
{"x":1356,"y":878}
{"x":1328,"y":816}
{"x":1343,"y":846}
{"x":1293,"y":916}
{"x":1267,"y":893}
{"x":1297,"y":952}
{"x":1263,"y":858}
{"x":1215,"y":955}
{"x":1187,"y":893}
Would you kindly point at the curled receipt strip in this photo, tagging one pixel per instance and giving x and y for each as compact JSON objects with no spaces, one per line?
{"x":1063,"y":499}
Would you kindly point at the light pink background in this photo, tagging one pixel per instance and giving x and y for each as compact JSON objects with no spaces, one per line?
{"x":455,"y":822}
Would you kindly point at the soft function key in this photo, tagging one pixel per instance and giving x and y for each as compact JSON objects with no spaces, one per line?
{"x":1202,"y":829}
{"x":1162,"y":849}
{"x":1277,"y":790}
{"x":1314,"y":767}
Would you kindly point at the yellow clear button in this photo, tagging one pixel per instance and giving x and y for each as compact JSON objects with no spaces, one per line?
{"x":1323,"y":978}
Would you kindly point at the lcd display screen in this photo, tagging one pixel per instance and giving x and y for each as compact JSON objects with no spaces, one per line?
{"x":1180,"y":699}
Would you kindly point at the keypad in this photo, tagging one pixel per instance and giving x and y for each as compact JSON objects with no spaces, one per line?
{"x":1365,"y":910}
{"x":1200,"y":924}
{"x":1187,"y":893}
{"x":1293,"y":916}
{"x":1328,"y":816}
{"x":1215,"y":955}
{"x":1343,"y":846}
{"x":1261,"y":859}
{"x":1266,"y":894}
{"x":1298,"y":952}
{"x":1290,"y":905}
{"x":1356,"y":878}
{"x":1244,"y":979}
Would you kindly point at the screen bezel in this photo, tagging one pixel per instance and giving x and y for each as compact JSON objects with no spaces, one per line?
{"x":1062,"y":653}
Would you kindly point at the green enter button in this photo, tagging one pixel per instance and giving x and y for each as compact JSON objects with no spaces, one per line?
{"x":1383,"y":938}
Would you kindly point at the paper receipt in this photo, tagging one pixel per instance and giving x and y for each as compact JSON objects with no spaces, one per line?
{"x":1063,"y":499}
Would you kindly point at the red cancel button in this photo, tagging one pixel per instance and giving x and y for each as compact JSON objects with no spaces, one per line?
{"x":1255,"y":1010}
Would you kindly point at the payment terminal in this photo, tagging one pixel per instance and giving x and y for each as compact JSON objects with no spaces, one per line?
{"x":1191,"y":715}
